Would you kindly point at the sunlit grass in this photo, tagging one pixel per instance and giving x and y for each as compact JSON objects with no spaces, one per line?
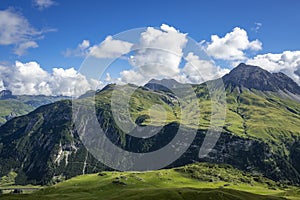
{"x":163,"y":183}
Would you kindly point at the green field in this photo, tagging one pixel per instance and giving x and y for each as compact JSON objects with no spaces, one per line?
{"x":196,"y":181}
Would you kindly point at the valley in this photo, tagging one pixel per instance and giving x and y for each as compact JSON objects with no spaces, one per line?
{"x":259,"y":143}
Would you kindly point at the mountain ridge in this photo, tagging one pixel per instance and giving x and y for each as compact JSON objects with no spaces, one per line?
{"x":254,"y":77}
{"x":16,"y":105}
{"x":6,"y":94}
{"x":245,"y":143}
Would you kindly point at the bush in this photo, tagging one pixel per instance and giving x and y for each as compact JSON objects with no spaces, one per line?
{"x":102,"y":174}
{"x":17,"y":191}
{"x":118,"y":182}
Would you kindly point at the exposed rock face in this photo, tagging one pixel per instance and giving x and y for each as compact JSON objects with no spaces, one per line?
{"x":247,"y":155}
{"x":253,"y":77}
{"x":44,"y":145}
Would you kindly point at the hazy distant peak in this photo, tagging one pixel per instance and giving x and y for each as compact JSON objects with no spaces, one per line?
{"x":5,"y":94}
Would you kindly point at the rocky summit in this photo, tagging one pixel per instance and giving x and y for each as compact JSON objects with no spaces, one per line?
{"x":253,"y":77}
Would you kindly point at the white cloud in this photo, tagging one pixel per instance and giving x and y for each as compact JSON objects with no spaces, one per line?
{"x":232,"y":45}
{"x":168,"y":28}
{"x":42,"y":4}
{"x":161,"y":47}
{"x":158,"y":54}
{"x":131,"y":76}
{"x":110,"y":48}
{"x":197,"y":70}
{"x":30,"y":78}
{"x":21,"y":49}
{"x":2,"y":85}
{"x":63,"y":81}
{"x":81,"y":50}
{"x":287,"y":62}
{"x":16,"y":30}
{"x":84,"y":45}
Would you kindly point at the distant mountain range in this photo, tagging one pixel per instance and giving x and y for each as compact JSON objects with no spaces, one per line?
{"x":15,"y":105}
{"x":261,"y":133}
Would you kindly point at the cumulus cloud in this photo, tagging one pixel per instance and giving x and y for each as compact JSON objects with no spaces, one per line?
{"x":81,"y":50}
{"x":131,"y":76}
{"x":30,"y":78}
{"x":232,"y":45}
{"x":62,"y":81}
{"x":197,"y":70}
{"x":42,"y":4}
{"x":16,"y":30}
{"x":2,"y":86}
{"x":287,"y":62}
{"x":158,"y":53}
{"x":110,"y":48}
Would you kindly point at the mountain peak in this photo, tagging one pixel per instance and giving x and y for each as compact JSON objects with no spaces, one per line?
{"x":6,"y":94}
{"x":254,"y":77}
{"x":166,"y":82}
{"x":164,"y":85}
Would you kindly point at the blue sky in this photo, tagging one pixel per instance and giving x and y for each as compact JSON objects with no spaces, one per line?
{"x":94,"y":20}
{"x":64,"y":24}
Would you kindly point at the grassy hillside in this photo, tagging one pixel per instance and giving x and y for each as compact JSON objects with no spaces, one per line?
{"x":267,"y":116}
{"x":12,"y":108}
{"x":23,"y":104}
{"x":196,"y":181}
{"x":260,"y":134}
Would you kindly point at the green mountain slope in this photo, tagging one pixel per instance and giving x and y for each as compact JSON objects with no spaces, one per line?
{"x":260,"y":135}
{"x":12,"y":106}
{"x":196,"y":181}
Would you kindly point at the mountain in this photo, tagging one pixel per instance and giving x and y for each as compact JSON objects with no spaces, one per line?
{"x":164,"y":85}
{"x":16,"y":105}
{"x":253,"y":77}
{"x":261,"y":132}
{"x":6,"y":94}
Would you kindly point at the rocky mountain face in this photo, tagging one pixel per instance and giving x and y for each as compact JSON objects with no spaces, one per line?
{"x":253,"y":77}
{"x":44,"y":146}
{"x":260,"y":135}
